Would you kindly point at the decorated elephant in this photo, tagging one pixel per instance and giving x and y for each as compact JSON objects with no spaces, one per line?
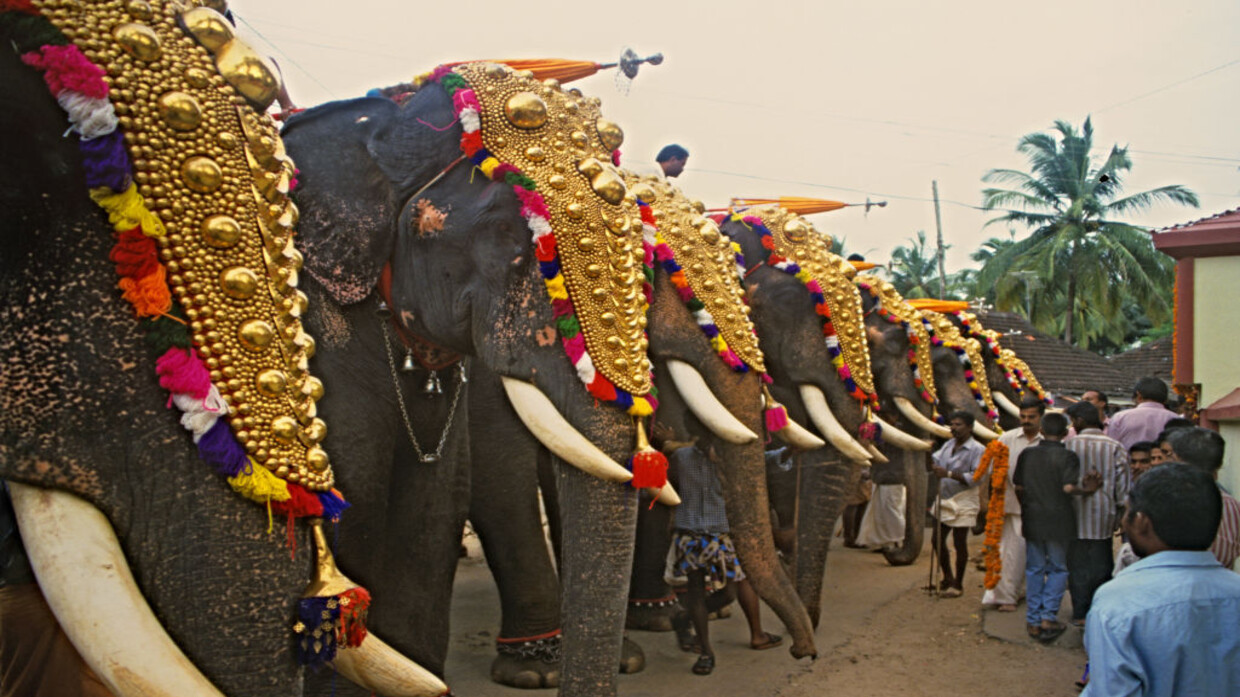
{"x":808,"y":315}
{"x":959,"y":372}
{"x":1009,"y":378}
{"x":392,"y":210}
{"x":903,"y":370}
{"x":148,"y":264}
{"x":707,"y":363}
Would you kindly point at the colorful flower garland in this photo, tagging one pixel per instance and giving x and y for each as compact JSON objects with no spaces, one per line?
{"x":994,"y":459}
{"x":667,"y":258}
{"x":914,"y":340}
{"x":786,"y":265}
{"x":79,"y":87}
{"x":538,"y":217}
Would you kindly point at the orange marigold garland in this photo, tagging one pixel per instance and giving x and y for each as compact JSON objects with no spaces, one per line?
{"x":994,"y":461}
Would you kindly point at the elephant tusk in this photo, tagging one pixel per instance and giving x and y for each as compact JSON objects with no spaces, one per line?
{"x":87,"y":582}
{"x":666,"y":495}
{"x":920,"y":420}
{"x":383,"y":670}
{"x":551,"y":429}
{"x":799,"y":437}
{"x":1005,"y":404}
{"x":877,"y":454}
{"x":982,"y":432}
{"x":900,"y":439}
{"x":820,"y":413}
{"x":706,"y":406}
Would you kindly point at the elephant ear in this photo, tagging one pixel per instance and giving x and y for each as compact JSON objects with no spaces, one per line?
{"x":347,"y":203}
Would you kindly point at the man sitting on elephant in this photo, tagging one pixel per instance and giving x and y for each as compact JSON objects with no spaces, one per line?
{"x":956,"y":509}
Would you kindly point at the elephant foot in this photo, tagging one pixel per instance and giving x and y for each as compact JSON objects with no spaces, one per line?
{"x":901,"y":556}
{"x":632,"y":658}
{"x":528,"y":664}
{"x":651,"y":615}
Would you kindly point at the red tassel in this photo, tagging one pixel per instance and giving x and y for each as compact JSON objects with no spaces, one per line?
{"x":868,"y":431}
{"x":649,"y":469}
{"x":354,"y":608}
{"x":776,"y":418}
{"x":301,"y":503}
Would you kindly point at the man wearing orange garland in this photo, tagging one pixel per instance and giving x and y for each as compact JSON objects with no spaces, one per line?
{"x":1011,"y":586}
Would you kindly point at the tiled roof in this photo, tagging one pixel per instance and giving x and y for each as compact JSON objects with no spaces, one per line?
{"x":1152,"y":359}
{"x":1062,"y":368}
{"x":1226,"y":219}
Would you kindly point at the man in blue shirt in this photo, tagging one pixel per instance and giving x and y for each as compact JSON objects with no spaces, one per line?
{"x":1168,"y":625}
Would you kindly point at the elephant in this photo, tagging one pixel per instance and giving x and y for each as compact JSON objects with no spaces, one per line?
{"x":811,"y":494}
{"x":383,"y":184}
{"x":691,"y":377}
{"x":1008,"y":377}
{"x":903,"y":372}
{"x":163,"y":577}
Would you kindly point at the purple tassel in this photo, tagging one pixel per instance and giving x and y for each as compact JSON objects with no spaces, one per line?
{"x":316,"y":630}
{"x":333,"y":505}
{"x":219,"y":447}
{"x":106,"y":162}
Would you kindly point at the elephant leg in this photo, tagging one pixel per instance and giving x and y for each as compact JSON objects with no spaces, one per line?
{"x":599,"y":520}
{"x":504,"y":512}
{"x":651,"y":600}
{"x":825,"y":480}
{"x":914,"y":511}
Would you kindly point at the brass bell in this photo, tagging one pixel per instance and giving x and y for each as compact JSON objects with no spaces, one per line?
{"x":432,"y":386}
{"x":383,"y":310}
{"x":407,"y":366}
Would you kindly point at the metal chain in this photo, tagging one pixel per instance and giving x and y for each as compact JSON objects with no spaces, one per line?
{"x":427,"y":458}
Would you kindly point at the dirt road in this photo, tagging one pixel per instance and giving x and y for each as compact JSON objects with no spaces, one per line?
{"x":880,"y":635}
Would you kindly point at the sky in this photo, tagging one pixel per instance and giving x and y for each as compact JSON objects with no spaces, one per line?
{"x":843,"y":101}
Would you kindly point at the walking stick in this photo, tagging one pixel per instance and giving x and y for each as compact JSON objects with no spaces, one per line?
{"x":934,"y":553}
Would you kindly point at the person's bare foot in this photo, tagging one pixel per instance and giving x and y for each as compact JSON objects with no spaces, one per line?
{"x":1006,"y":607}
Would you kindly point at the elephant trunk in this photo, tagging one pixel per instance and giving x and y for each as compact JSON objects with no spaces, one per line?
{"x":749,"y":517}
{"x":598,"y":522}
{"x":914,"y":476}
{"x":823,"y":480}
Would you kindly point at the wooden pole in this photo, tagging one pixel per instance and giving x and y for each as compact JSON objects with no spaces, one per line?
{"x":938,"y":223}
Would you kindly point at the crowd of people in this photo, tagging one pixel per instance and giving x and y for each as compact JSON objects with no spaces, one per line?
{"x":1122,"y":512}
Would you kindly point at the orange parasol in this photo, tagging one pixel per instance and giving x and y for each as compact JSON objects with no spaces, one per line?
{"x":569,"y":70}
{"x":796,"y":204}
{"x":936,"y":305}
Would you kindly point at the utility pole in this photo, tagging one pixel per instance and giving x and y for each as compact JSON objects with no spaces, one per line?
{"x":938,"y":223}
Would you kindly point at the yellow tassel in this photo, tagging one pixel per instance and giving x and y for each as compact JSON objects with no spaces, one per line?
{"x":488,"y":166}
{"x":260,"y":485}
{"x":556,"y":289}
{"x":127,"y":210}
{"x":641,"y":407}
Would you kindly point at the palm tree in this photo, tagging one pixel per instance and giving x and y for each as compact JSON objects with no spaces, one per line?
{"x":914,"y":269}
{"x":1088,"y":263}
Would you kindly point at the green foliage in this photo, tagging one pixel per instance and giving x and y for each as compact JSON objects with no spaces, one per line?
{"x":1080,"y":273}
{"x":914,"y":271}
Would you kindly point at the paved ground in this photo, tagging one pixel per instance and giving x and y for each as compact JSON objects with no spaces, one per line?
{"x":881,"y":635}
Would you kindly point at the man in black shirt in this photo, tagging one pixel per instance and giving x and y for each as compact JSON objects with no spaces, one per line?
{"x":1045,"y":481}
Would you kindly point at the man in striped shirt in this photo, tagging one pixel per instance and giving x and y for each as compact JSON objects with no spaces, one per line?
{"x":1203,"y":448}
{"x":1089,"y":556}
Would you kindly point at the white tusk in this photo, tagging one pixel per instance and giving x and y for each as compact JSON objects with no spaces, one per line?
{"x":982,"y":432}
{"x":820,"y":413}
{"x":382,"y":670}
{"x":875,"y":453}
{"x":920,"y":420}
{"x":799,"y":437}
{"x":552,"y":430}
{"x":706,"y":406}
{"x":1005,"y":404}
{"x":666,"y":496}
{"x":900,"y":439}
{"x":87,"y":582}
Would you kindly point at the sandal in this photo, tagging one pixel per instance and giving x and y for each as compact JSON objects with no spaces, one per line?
{"x":705,"y":664}
{"x":1035,"y":630}
{"x":770,"y":641}
{"x":952,"y":592}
